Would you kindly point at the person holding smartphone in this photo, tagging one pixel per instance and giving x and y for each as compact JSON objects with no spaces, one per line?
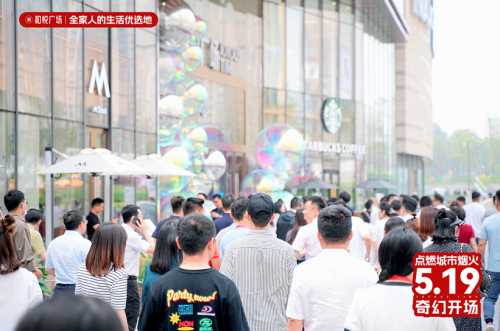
{"x":132,"y":221}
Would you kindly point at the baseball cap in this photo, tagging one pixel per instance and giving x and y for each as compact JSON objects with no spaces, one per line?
{"x":260,"y":205}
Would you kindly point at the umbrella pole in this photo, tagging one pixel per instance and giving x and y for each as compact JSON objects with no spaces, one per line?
{"x":107,"y":198}
{"x":49,"y":201}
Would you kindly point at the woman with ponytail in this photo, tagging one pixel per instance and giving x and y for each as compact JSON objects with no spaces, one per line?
{"x":388,"y":304}
{"x":445,"y":240}
{"x":19,"y":289}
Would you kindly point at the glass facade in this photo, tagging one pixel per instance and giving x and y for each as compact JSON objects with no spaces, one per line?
{"x":50,"y":69}
{"x":294,"y":56}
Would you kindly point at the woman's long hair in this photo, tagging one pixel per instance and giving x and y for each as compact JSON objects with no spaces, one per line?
{"x":396,"y":252}
{"x":8,"y":258}
{"x":166,"y":249}
{"x":427,"y":225}
{"x":443,"y":230}
{"x":300,"y":221}
{"x":107,"y":250}
{"x":277,"y":206}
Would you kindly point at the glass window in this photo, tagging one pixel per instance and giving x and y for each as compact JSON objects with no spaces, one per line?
{"x":7,"y":53}
{"x":68,"y":73}
{"x":225,"y":108}
{"x":274,"y":107}
{"x":123,"y":187}
{"x":146,"y":188}
{"x":274,"y":45}
{"x":146,"y":81}
{"x":146,"y":144}
{"x":295,"y":111}
{"x":34,"y":79}
{"x":346,"y":61}
{"x":68,"y":188}
{"x":294,"y":49}
{"x":348,"y":175}
{"x":312,"y":25}
{"x":102,"y":5}
{"x":145,"y":6}
{"x":7,"y":152}
{"x":96,"y":49}
{"x":255,"y":123}
{"x":34,"y":136}
{"x":330,"y":9}
{"x":123,"y":92}
{"x":330,"y":57}
{"x":348,"y":129}
{"x":314,"y":126}
{"x":123,"y":5}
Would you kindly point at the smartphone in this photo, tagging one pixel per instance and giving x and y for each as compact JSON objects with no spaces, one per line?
{"x":134,"y":221}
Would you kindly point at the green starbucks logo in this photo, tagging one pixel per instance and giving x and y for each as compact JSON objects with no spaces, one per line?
{"x":331,"y":115}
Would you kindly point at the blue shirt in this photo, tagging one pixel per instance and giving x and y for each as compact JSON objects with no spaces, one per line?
{"x":223,"y":222}
{"x":66,"y":254}
{"x":490,"y":230}
{"x":158,"y":227}
{"x":231,"y":236}
{"x":150,"y":277}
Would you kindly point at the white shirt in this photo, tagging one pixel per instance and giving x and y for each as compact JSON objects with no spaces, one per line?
{"x":66,"y":254}
{"x":135,"y":246}
{"x":406,"y":217}
{"x":474,"y":214}
{"x":307,"y":237}
{"x":442,"y":206}
{"x":222,"y":232}
{"x":379,"y":227}
{"x":374,"y":215}
{"x":388,"y":307}
{"x":357,"y":245}
{"x":19,"y":291}
{"x":323,"y":289}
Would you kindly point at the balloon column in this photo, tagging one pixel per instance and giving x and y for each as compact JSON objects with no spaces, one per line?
{"x":279,"y":148}
{"x":183,"y":142}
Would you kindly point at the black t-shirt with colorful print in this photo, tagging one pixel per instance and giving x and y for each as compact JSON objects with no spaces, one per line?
{"x":185,"y":300}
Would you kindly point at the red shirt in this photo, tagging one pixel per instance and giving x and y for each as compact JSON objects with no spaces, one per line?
{"x":466,"y":232}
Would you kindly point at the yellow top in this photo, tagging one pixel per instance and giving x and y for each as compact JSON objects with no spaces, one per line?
{"x":36,"y":241}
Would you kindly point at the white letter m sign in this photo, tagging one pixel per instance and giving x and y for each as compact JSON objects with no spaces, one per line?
{"x":100,"y":79}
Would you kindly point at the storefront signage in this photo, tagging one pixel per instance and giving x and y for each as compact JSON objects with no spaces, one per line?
{"x":325,"y":147}
{"x":222,"y":56}
{"x":424,"y":10}
{"x":99,"y":110}
{"x":331,"y":115}
{"x":99,"y":79}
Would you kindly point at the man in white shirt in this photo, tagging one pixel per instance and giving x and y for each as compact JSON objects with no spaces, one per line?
{"x":68,"y":252}
{"x":132,"y":220}
{"x":323,"y":288}
{"x":474,"y":213}
{"x":408,"y":208}
{"x":438,"y":202}
{"x":306,"y":242}
{"x":360,"y":237}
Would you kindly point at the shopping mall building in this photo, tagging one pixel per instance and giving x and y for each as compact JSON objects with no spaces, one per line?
{"x":277,"y":62}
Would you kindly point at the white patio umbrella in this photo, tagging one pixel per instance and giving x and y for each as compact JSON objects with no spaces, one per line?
{"x":159,"y":167}
{"x":96,"y":161}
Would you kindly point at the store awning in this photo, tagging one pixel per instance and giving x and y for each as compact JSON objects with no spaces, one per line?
{"x":159,"y":167}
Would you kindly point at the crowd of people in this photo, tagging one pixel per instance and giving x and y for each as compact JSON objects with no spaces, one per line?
{"x":249,"y":264}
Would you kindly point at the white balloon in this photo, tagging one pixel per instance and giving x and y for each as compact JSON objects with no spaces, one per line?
{"x":215,"y":165}
{"x":177,"y":28}
{"x":167,"y":70}
{"x":171,"y":106}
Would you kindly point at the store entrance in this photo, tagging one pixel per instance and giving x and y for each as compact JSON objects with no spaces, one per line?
{"x":332,"y":177}
{"x":235,"y":172}
{"x":94,"y":138}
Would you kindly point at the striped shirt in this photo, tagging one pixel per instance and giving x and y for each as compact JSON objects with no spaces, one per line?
{"x":262,"y":267}
{"x":111,"y":288}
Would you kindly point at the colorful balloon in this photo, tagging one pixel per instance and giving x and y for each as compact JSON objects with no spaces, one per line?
{"x":171,"y":115}
{"x":176,"y":28}
{"x":192,"y":58}
{"x":167,"y":69}
{"x":279,"y":148}
{"x":214,"y":164}
{"x":216,"y":134}
{"x":199,"y":31}
{"x":194,"y":99}
{"x":260,"y":181}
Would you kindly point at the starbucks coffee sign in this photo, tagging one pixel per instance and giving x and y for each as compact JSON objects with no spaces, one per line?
{"x":338,"y":148}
